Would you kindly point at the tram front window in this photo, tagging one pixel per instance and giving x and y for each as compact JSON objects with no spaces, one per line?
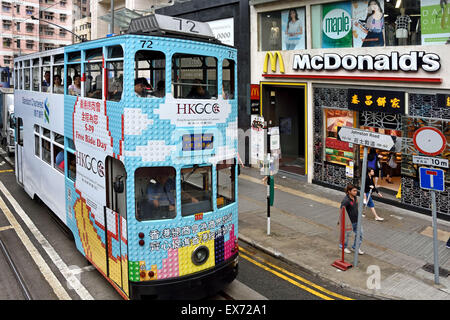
{"x":226,"y":175}
{"x":155,"y":190}
{"x":196,"y":190}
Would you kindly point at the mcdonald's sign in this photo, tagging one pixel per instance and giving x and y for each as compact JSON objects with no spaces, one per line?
{"x":254,"y":92}
{"x":273,"y":57}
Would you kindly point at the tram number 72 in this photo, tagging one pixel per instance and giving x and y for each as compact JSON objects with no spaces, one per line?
{"x":146,"y":44}
{"x":188,"y":23}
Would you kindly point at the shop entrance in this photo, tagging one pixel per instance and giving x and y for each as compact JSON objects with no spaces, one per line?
{"x":284,"y":105}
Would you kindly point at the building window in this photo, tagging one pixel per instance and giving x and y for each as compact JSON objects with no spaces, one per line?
{"x":62,"y":17}
{"x":6,"y":42}
{"x":282,"y":30}
{"x":18,"y":26}
{"x":29,"y":10}
{"x":7,"y":24}
{"x":29,"y":27}
{"x":6,"y":6}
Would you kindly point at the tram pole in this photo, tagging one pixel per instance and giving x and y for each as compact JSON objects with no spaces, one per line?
{"x":268,"y":181}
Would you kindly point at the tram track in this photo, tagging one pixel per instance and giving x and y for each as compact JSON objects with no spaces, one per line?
{"x":17,"y":275}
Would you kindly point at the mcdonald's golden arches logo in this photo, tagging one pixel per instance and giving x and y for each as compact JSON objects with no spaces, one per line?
{"x":274,"y":57}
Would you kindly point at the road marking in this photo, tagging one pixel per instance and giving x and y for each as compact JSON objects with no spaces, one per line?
{"x":282,"y":276}
{"x":9,"y":170}
{"x":298,"y":277}
{"x":239,"y":291}
{"x":6,"y":228}
{"x":35,"y":255}
{"x":63,"y":268}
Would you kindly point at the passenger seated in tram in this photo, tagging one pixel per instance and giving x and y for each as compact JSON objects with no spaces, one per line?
{"x":95,"y":90}
{"x":75,"y":88}
{"x":198,"y":91}
{"x":57,"y":84}
{"x":46,"y":82}
{"x":160,"y":89}
{"x":141,"y":87}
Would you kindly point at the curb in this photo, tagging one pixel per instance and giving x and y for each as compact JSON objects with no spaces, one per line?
{"x":310,"y":270}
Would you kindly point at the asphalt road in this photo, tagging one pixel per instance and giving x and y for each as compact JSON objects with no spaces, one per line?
{"x":51,"y":268}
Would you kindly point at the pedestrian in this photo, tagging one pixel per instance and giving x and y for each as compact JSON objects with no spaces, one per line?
{"x":373,"y":161}
{"x":392,"y":165}
{"x":350,"y":203}
{"x":369,"y":189}
{"x":448,"y":243}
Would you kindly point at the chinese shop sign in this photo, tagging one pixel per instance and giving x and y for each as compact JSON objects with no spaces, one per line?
{"x":443,"y":100}
{"x":376,"y":101}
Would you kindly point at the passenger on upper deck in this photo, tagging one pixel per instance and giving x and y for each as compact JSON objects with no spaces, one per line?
{"x":198,"y":91}
{"x":160,"y":89}
{"x":75,"y":88}
{"x":46,"y":82}
{"x":57,"y":85}
{"x":140,"y":87}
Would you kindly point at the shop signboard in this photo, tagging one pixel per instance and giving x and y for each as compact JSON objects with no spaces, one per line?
{"x":434,"y":21}
{"x":443,"y":99}
{"x":337,"y":25}
{"x":376,"y":101}
{"x":223,"y":30}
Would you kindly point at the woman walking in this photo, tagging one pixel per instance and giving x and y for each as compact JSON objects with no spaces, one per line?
{"x":350,"y":203}
{"x":368,"y":190}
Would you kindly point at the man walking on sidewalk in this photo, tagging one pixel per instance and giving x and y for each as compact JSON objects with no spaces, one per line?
{"x":350,"y":203}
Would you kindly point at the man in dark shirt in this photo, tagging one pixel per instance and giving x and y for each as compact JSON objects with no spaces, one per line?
{"x":370,"y":185}
{"x":350,"y":203}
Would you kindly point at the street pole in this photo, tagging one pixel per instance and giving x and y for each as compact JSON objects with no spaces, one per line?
{"x":111,"y":25}
{"x":435,"y":241}
{"x":360,"y":206}
{"x":268,"y":182}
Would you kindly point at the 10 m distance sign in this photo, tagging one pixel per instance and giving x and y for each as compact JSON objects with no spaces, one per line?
{"x":367,"y":138}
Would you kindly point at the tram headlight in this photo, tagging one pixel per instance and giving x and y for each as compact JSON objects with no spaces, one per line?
{"x":200,"y":255}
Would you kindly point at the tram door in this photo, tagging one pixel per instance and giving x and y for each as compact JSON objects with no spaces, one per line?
{"x":19,"y":150}
{"x":116,"y":223}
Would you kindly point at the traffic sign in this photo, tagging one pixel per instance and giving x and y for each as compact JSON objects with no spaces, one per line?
{"x":432,"y":179}
{"x":429,"y":141}
{"x":430,"y":161}
{"x":367,"y":138}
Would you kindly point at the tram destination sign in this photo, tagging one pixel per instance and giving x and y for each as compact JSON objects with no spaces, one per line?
{"x":367,"y":138}
{"x":430,"y":161}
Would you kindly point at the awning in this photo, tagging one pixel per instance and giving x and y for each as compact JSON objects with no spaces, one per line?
{"x":122,"y":17}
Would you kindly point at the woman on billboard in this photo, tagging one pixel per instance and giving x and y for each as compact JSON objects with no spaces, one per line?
{"x":293,"y":30}
{"x":374,"y":25}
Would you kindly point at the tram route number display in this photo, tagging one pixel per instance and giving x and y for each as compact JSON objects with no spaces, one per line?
{"x":197,"y":142}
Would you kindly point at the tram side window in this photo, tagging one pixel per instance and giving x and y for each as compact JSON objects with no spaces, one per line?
{"x":155,"y":190}
{"x":150,"y":71}
{"x":58,"y":152}
{"x":73,"y":79}
{"x":226,"y":178}
{"x":196,"y":190}
{"x":37,"y":141}
{"x":115,"y":80}
{"x":45,"y":79}
{"x":26,"y":76}
{"x":194,"y":77}
{"x":228,"y":79}
{"x":35,"y":75}
{"x":58,"y":76}
{"x":72,"y":167}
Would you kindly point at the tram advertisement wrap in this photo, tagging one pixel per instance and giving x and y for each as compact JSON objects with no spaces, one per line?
{"x":93,"y":142}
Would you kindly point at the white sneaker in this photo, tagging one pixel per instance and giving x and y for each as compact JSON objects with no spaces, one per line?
{"x":359,"y":251}
{"x":346,"y":250}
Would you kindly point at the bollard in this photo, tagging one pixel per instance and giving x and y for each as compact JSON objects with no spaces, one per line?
{"x":341,"y":264}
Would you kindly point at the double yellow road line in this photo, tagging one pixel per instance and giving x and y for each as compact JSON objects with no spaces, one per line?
{"x":292,"y":278}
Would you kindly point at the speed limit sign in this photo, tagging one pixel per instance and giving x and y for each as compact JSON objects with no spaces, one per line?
{"x":429,"y":141}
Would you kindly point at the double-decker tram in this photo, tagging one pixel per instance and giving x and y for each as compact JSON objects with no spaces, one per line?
{"x":131,"y":141}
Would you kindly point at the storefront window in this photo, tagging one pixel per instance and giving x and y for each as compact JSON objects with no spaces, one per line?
{"x":337,"y":151}
{"x":282,"y":30}
{"x":378,"y":23}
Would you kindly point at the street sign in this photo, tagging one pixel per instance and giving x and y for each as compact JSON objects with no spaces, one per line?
{"x":429,"y":141}
{"x":367,"y":138}
{"x":432,"y":179}
{"x":430,"y":161}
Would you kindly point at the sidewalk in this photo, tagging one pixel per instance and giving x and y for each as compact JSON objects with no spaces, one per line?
{"x":304,"y":233}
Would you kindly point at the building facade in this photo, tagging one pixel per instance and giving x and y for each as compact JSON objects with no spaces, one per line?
{"x":381,"y":66}
{"x":22,"y":35}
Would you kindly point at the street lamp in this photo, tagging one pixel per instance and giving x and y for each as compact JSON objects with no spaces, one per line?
{"x":80,"y":38}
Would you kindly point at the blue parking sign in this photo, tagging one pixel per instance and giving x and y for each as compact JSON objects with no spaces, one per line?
{"x":432,"y":179}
